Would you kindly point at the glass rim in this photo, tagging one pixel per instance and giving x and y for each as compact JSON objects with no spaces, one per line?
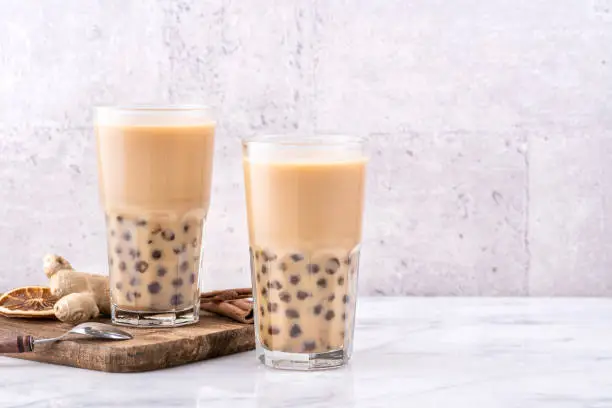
{"x":316,"y":139}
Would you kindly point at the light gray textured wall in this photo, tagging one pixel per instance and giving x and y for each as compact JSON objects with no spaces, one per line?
{"x":489,"y":122}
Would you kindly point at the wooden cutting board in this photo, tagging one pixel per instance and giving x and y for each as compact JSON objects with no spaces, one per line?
{"x":151,"y":349}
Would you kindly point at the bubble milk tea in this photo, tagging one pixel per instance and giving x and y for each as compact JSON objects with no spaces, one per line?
{"x":305,"y":205}
{"x":155,"y":170}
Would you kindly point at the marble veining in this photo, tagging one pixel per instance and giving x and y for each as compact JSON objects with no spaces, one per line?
{"x":409,"y":352}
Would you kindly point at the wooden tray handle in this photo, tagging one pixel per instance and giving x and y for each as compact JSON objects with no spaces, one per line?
{"x":16,"y":344}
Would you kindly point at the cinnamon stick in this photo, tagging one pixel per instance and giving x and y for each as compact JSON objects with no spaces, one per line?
{"x":232,"y":303}
{"x":227,"y":294}
{"x":240,"y":310}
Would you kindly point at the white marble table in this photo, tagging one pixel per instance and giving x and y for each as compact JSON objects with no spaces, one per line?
{"x":410,"y":352}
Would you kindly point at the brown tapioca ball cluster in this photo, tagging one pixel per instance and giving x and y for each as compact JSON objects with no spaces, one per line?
{"x":304,"y":299}
{"x":154,"y":262}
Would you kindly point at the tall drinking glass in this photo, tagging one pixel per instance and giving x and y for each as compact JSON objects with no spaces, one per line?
{"x":155,"y":167}
{"x":305,"y":200}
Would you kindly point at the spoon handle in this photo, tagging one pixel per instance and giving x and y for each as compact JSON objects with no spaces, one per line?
{"x":16,"y":344}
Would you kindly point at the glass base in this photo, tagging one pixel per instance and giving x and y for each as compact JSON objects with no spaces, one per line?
{"x":302,"y":361}
{"x":175,"y":318}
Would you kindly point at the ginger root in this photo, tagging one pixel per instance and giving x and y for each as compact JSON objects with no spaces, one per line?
{"x":83,"y":296}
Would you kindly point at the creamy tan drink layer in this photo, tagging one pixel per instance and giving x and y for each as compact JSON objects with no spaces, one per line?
{"x":155,"y":180}
{"x":305,"y":218}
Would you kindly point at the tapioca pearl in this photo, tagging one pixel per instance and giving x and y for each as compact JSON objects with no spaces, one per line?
{"x":128,"y":296}
{"x":176,"y":300}
{"x":161,"y":271}
{"x":317,"y":310}
{"x":313,"y":268}
{"x":345,"y":299}
{"x":273,"y":330}
{"x":258,"y":277}
{"x":261,"y":327}
{"x":192,"y":278}
{"x":156,"y":254}
{"x":331,"y":297}
{"x":119,"y":218}
{"x":134,"y":253}
{"x":264,"y":292}
{"x":322,"y":283}
{"x":141,"y":223}
{"x":122,"y":266}
{"x":267,"y":255}
{"x":261,"y":311}
{"x":134,"y":281}
{"x":141,"y":266}
{"x":185,"y":228}
{"x":329,"y":315}
{"x":295,"y":331}
{"x":292,"y":314}
{"x":332,"y":266}
{"x":156,"y":229}
{"x":275,"y":285}
{"x":150,"y":242}
{"x":341,"y":280}
{"x":343,"y":316}
{"x":285,"y":297}
{"x":126,"y":235}
{"x":272,"y":307}
{"x":184,"y":266}
{"x":179,"y":249}
{"x":301,"y":295}
{"x":294,"y":279}
{"x":154,"y":288}
{"x":297,"y":257}
{"x":264,"y":269}
{"x":178,"y":282}
{"x":309,"y":345}
{"x":137,"y":295}
{"x":119,"y":285}
{"x":118,"y":250}
{"x":167,"y":235}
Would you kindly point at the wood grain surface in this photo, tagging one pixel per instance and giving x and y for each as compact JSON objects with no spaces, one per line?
{"x":151,"y":349}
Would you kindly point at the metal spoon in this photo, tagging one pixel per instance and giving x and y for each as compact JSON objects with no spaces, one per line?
{"x":23,"y":344}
